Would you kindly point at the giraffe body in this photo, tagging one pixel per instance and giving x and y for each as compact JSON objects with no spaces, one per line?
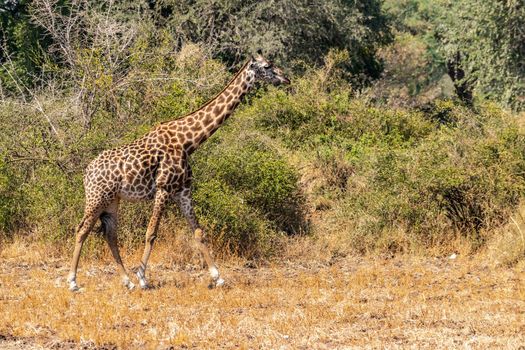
{"x":155,"y":167}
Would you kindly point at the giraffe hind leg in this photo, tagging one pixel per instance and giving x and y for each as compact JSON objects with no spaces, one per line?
{"x":83,"y":230}
{"x":109,"y":230}
{"x":92,"y":212}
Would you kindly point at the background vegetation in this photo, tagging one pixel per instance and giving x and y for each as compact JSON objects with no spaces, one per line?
{"x":401,"y":130}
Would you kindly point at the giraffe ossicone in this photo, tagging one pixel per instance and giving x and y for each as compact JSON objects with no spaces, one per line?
{"x":155,"y":167}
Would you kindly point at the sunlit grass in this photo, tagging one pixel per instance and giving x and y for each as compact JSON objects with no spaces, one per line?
{"x":345,"y":302}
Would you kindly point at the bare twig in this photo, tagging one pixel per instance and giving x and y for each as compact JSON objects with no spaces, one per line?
{"x":23,"y":89}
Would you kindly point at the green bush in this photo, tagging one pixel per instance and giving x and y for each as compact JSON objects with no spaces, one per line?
{"x":11,"y":201}
{"x":44,"y":152}
{"x":431,"y":172}
{"x":55,"y":201}
{"x":247,"y":193}
{"x":234,"y":226}
{"x":420,"y":175}
{"x":435,"y":179}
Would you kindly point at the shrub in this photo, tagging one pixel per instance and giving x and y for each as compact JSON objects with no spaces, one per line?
{"x":431,"y":172}
{"x":11,"y":200}
{"x":247,"y":193}
{"x":234,"y":226}
{"x":462,"y":177}
{"x":55,"y":202}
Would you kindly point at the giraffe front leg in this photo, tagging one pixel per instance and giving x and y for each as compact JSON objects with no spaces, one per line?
{"x":217,"y":281}
{"x":185,"y":203}
{"x":151,"y":234}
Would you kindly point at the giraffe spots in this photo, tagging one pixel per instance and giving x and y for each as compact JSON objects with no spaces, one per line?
{"x":218,"y":109}
{"x":209,"y":108}
{"x":207,"y":119}
{"x":163,"y":138}
{"x":180,"y":136}
{"x":131,"y":175}
{"x":188,"y":145}
{"x":144,"y":181}
{"x":194,"y":128}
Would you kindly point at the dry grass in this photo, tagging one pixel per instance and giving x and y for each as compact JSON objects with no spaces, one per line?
{"x":297,"y":303}
{"x":507,"y":245}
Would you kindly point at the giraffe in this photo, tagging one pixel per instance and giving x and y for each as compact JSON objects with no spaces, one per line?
{"x":155,"y":167}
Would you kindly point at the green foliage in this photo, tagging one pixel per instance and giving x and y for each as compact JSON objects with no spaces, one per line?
{"x":490,"y":41}
{"x":415,"y":71}
{"x":463,"y":177}
{"x":286,"y":30}
{"x":235,"y":226}
{"x":423,"y":174}
{"x":247,"y":193}
{"x":431,"y":172}
{"x":23,"y":45}
{"x":413,"y":16}
{"x":44,"y":152}
{"x":55,"y":201}
{"x":414,"y":74}
{"x":321,"y":113}
{"x":319,"y":96}
{"x":478,"y":43}
{"x":11,"y":202}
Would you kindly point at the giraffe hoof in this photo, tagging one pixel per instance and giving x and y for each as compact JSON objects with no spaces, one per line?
{"x":142,"y":281}
{"x":128,"y":284}
{"x":216,"y":284}
{"x":73,"y":287}
{"x":219,"y":282}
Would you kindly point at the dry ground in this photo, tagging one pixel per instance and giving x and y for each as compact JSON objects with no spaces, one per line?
{"x":342,"y":303}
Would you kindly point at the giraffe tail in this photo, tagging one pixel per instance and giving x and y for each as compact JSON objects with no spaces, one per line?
{"x":107,"y":224}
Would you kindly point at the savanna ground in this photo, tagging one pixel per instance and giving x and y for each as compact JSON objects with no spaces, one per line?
{"x":302,"y":301}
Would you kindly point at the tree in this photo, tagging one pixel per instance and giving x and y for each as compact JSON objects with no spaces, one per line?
{"x":414,"y":69}
{"x":484,"y":43}
{"x":288,"y":30}
{"x":22,"y":44}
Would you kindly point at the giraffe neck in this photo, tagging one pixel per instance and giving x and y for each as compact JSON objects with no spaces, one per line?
{"x":207,"y":119}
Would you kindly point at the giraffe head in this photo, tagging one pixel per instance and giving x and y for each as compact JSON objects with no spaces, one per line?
{"x":264,"y":70}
